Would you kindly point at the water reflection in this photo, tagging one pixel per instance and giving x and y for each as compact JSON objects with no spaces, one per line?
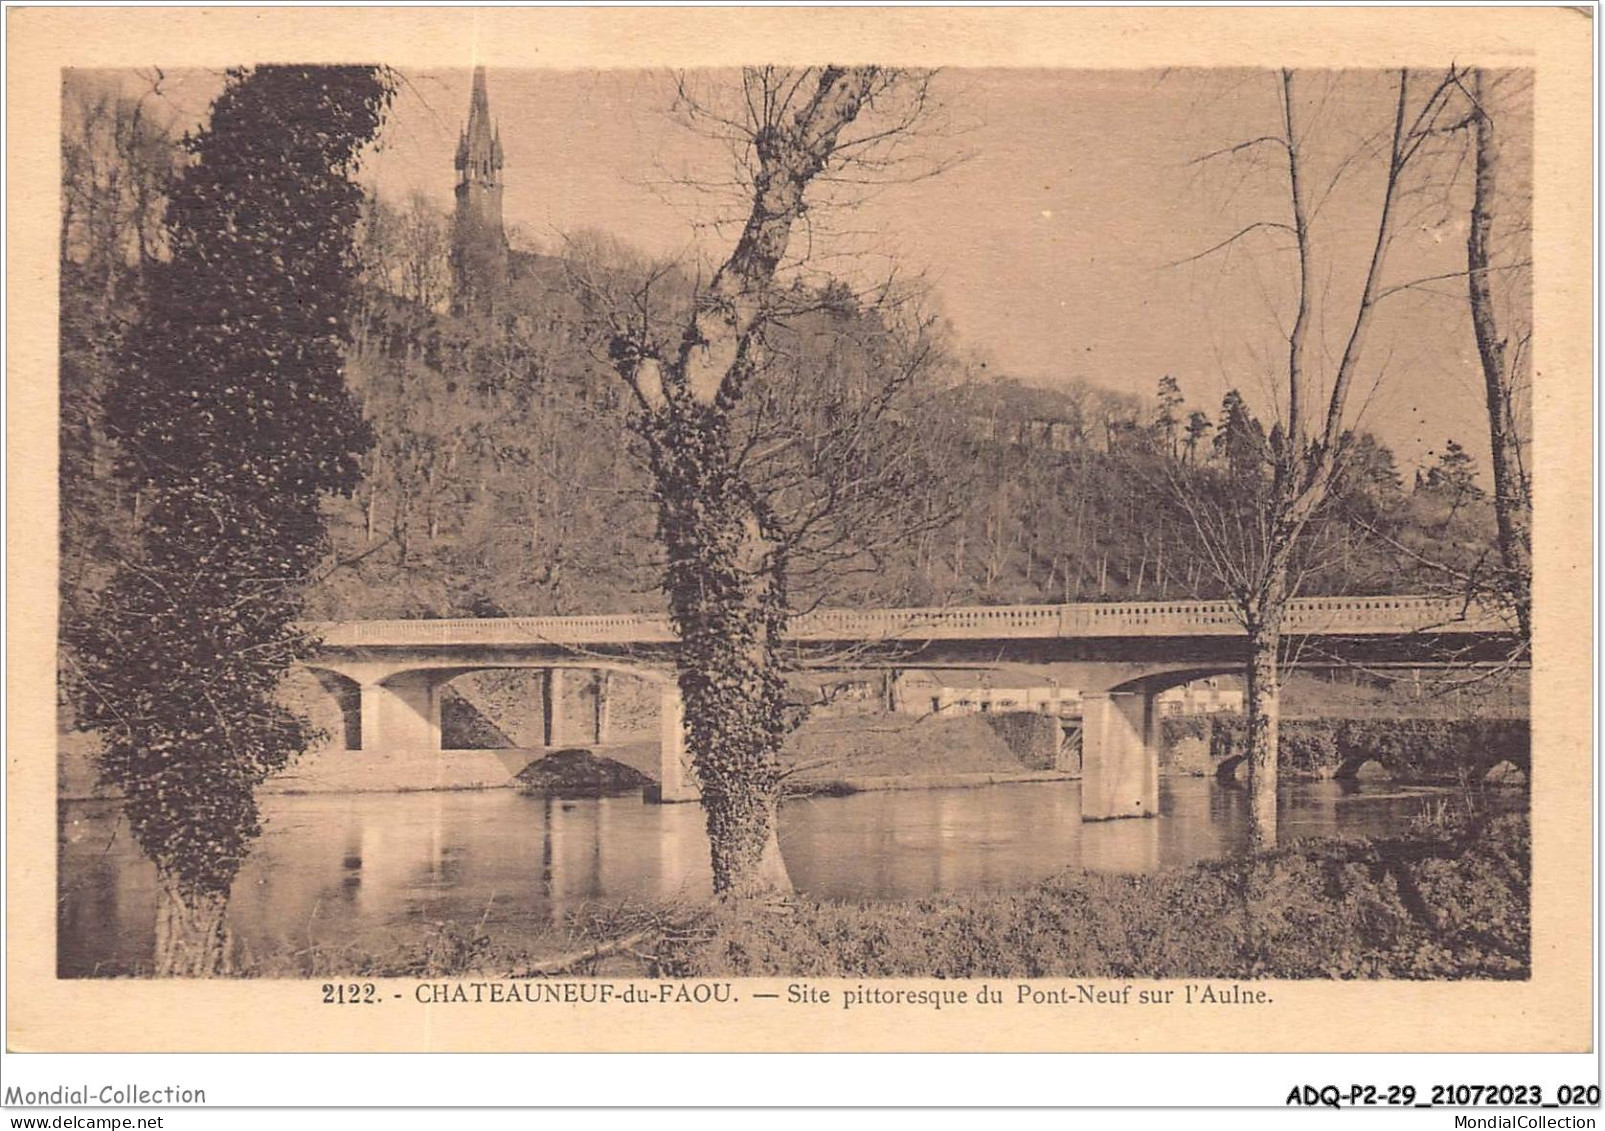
{"x":363,"y":870}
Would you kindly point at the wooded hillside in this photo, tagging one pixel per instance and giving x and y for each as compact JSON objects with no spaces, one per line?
{"x":504,"y":479}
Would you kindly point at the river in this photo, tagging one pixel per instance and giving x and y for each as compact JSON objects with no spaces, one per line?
{"x":361,"y":870}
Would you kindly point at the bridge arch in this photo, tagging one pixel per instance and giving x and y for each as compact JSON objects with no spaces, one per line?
{"x":1226,"y":773}
{"x":578,"y":701}
{"x":1156,"y":682}
{"x":329,"y":699}
{"x":1506,"y":769}
{"x":406,"y":695}
{"x":1350,"y":768}
{"x":397,"y":704}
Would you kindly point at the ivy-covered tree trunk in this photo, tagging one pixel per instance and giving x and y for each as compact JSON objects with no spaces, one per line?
{"x":192,"y":938}
{"x":726,"y":582}
{"x":726,"y":568}
{"x":232,"y":417}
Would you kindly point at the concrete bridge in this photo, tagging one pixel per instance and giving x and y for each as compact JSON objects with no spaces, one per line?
{"x":1119,"y":655}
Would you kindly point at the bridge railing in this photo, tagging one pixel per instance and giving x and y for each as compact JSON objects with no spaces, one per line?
{"x":975,"y":623}
{"x":1361,"y":615}
{"x":1315,"y":615}
{"x":1341,"y":616}
{"x":624,"y":628}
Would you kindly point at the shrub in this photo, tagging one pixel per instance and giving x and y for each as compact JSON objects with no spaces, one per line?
{"x":1175,"y":728}
{"x":1435,"y":749}
{"x":578,"y":773}
{"x":1032,"y":738}
{"x":1228,"y":736}
{"x":1309,"y":747}
{"x":1184,"y":744}
{"x":1419,"y":749}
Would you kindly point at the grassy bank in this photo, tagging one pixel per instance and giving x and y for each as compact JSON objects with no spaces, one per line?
{"x":1445,"y":902}
{"x":887,"y":751}
{"x":1437,"y":905}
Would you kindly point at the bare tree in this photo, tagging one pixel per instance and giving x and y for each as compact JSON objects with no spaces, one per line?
{"x":406,"y":250}
{"x":1496,"y":258}
{"x":1252,"y":539}
{"x":733,"y":506}
{"x":118,"y":158}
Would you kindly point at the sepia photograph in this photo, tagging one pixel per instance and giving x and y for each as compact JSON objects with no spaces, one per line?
{"x":545,"y":533}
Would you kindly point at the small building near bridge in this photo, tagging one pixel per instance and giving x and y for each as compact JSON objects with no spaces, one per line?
{"x":1202,"y":697}
{"x":966,"y":691}
{"x":971,"y":692}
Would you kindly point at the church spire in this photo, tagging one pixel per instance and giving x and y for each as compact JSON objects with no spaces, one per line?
{"x":479,"y":242}
{"x":479,"y":146}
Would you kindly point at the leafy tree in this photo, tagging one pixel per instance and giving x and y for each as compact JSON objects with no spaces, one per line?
{"x":1199,"y":426}
{"x":1168,"y":420}
{"x":1454,"y":476}
{"x":231,"y":412}
{"x":1240,"y":441}
{"x":1369,"y":469}
{"x":502,"y":481}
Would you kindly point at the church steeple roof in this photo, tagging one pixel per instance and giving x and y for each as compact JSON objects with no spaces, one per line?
{"x":479,"y":146}
{"x":479,"y":243}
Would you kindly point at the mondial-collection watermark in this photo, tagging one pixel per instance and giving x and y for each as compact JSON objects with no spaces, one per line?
{"x":107,"y":1095}
{"x":1522,"y":1122}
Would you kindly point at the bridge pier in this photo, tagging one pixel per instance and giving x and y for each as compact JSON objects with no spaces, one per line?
{"x":602,"y":720}
{"x":552,"y":707}
{"x":677,"y":780}
{"x":1119,"y":755}
{"x":401,"y":713}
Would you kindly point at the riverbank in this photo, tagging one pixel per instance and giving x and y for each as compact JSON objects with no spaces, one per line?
{"x":845,"y":787}
{"x":1444,"y":902}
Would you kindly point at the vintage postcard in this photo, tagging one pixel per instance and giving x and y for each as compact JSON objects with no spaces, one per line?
{"x":799,"y":530}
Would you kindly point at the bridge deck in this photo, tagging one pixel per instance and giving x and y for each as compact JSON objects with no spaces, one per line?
{"x":1311,"y":616}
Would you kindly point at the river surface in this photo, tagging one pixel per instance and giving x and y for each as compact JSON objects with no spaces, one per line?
{"x":364,"y":870}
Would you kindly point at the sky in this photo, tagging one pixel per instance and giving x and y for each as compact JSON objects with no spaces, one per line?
{"x":1062,"y":243}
